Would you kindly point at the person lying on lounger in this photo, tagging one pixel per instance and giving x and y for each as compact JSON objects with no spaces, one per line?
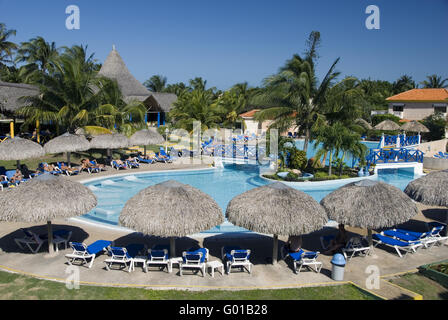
{"x":149,"y":156}
{"x":48,"y":167}
{"x":17,"y":177}
{"x":339,"y":242}
{"x":69,"y":169}
{"x":131,"y":159}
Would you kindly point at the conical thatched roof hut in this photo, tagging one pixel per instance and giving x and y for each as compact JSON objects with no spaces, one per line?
{"x":109,"y":141}
{"x":171,"y":209}
{"x":276,"y":209}
{"x":414,"y":126}
{"x":146,"y":137}
{"x":67,"y":143}
{"x":45,"y":198}
{"x":369,"y":204}
{"x":387,"y":125}
{"x":363,"y":123}
{"x":20,"y":149}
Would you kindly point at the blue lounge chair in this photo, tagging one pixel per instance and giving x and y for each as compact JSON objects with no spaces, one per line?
{"x":140,"y":159}
{"x":160,"y":255}
{"x":119,"y":255}
{"x":194,"y":260}
{"x":396,"y":244}
{"x":132,"y":164}
{"x":236,"y":257}
{"x":67,"y":172}
{"x":83,"y":252}
{"x":4,"y":182}
{"x":10,"y":173}
{"x":117,"y":166}
{"x":162,"y":156}
{"x":356,"y":245}
{"x":41,"y":169}
{"x":433,"y":236}
{"x":37,"y":240}
{"x":307,"y":259}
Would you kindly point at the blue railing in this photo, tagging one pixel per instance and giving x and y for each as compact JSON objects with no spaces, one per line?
{"x":409,"y":140}
{"x":394,"y":156}
{"x":390,"y":140}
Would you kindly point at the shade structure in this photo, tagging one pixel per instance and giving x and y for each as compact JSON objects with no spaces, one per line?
{"x":276,"y":209}
{"x":430,"y":189}
{"x":45,"y":198}
{"x":67,"y":143}
{"x":387,"y":125}
{"x":414,"y":126}
{"x":171,"y":209}
{"x":20,"y":149}
{"x":109,"y":141}
{"x":146,"y":137}
{"x":369,"y":204}
{"x":363,"y":123}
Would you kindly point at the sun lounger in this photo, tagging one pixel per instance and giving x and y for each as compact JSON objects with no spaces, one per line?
{"x":307,"y":259}
{"x":194,"y":260}
{"x":132,"y":164}
{"x":429,"y":238}
{"x":396,"y":244}
{"x":96,"y":167}
{"x":236,"y":257}
{"x":119,"y":255}
{"x":159,"y":255}
{"x":67,"y":172}
{"x":83,"y":252}
{"x":35,"y":240}
{"x":356,"y":245}
{"x":117,"y":166}
{"x":163,"y":157}
{"x":140,"y":159}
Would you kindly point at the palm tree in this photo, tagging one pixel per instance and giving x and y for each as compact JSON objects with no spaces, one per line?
{"x":294,"y":95}
{"x":156,"y":83}
{"x":435,"y":81}
{"x":6,"y":47}
{"x":404,"y":83}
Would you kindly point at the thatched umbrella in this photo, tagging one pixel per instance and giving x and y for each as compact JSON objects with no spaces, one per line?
{"x":369,"y":204}
{"x":109,"y":141}
{"x":20,"y":149}
{"x":171,"y":209}
{"x":414,"y":126}
{"x":387,"y":125}
{"x":363,"y":123}
{"x":146,"y":137}
{"x":430,"y":189}
{"x":276,"y":209}
{"x":45,"y":198}
{"x":67,"y":143}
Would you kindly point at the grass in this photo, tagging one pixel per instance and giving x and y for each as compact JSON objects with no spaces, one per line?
{"x":418,"y":283}
{"x":19,"y":287}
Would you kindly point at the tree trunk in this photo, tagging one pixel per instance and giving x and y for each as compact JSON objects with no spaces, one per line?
{"x":329,"y":166}
{"x":307,"y":138}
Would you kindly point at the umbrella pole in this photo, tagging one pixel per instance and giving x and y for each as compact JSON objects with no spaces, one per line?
{"x":68,"y":159}
{"x":18,"y":164}
{"x":50,"y":238}
{"x":172,"y":247}
{"x":144,"y":148}
{"x":369,"y":237}
{"x":275,"y":250}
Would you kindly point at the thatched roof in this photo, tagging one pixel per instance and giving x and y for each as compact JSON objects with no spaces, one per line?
{"x":161,"y":101}
{"x":414,"y":126}
{"x":171,"y":209}
{"x":115,"y":68}
{"x":109,"y":141}
{"x":67,"y":143}
{"x":20,"y":149}
{"x":369,"y":204}
{"x":387,"y":125}
{"x":10,"y":93}
{"x":146,"y":137}
{"x":276,"y":209}
{"x":363,"y":123}
{"x":431,"y":189}
{"x":45,"y":198}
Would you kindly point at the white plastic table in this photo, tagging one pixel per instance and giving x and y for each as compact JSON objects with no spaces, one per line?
{"x":141,"y":259}
{"x":215,"y":265}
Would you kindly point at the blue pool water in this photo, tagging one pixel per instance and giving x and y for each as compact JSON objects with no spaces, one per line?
{"x":221,"y":184}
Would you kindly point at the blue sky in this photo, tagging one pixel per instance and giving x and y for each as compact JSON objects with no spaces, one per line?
{"x":231,"y":41}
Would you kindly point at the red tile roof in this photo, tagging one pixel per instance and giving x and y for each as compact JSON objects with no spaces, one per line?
{"x":249,"y":114}
{"x":420,"y":95}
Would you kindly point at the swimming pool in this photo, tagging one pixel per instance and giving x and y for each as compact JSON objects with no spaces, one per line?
{"x":221,"y":184}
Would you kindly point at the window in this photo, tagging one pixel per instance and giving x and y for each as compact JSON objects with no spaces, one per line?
{"x":398,"y":107}
{"x":439,"y":108}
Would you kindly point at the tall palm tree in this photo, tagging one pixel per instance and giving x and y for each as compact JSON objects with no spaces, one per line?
{"x":6,"y":47}
{"x":295,"y":97}
{"x":404,"y":83}
{"x":156,"y":83}
{"x":435,"y":81}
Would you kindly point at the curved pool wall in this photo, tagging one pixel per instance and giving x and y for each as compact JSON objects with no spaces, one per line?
{"x":221,"y":184}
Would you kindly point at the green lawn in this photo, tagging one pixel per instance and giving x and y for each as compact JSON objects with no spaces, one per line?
{"x":13,"y":286}
{"x":418,"y":283}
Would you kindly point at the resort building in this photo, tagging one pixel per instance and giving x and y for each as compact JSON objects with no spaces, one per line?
{"x":251,"y":125}
{"x":158,"y":104}
{"x":417,"y":104}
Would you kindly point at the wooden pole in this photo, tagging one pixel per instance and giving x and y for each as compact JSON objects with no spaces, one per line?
{"x":50,"y":238}
{"x":11,"y":129}
{"x":172,"y":247}
{"x":68,"y":159}
{"x":275,"y":250}
{"x":38,"y":131}
{"x":369,"y":237}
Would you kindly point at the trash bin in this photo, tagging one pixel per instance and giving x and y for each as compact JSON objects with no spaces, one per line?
{"x":338,"y":263}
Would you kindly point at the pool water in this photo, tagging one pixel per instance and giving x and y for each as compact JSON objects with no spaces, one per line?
{"x":221,"y":184}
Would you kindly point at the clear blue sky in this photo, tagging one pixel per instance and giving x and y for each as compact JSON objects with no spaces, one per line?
{"x":232,"y":41}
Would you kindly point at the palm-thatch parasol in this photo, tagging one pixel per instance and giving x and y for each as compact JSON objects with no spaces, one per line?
{"x":45,"y":198}
{"x":387,"y":125}
{"x":109,"y":141}
{"x":276,"y":209}
{"x":20,"y":149}
{"x":171,"y":209}
{"x":369,"y":204}
{"x":363,"y":123}
{"x":146,"y":137}
{"x":67,"y":143}
{"x":430,"y":189}
{"x":414,"y":126}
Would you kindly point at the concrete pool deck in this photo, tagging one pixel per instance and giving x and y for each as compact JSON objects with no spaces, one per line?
{"x":264,"y":275}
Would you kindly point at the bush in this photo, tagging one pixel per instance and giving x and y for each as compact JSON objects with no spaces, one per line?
{"x":291,"y":177}
{"x":297,"y":159}
{"x":436,"y":125}
{"x":381,"y":117}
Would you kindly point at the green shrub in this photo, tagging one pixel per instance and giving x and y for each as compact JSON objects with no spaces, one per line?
{"x":297,"y":159}
{"x":381,"y":117}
